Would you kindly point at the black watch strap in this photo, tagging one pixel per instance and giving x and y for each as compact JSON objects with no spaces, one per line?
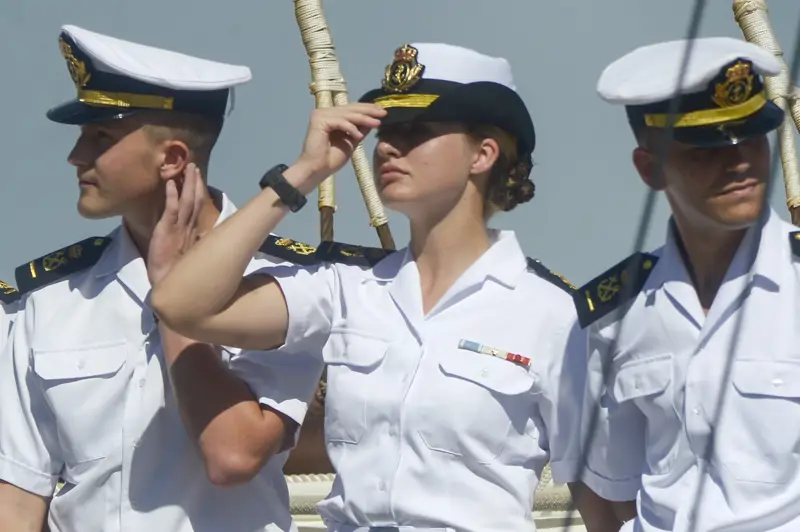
{"x":290,"y":196}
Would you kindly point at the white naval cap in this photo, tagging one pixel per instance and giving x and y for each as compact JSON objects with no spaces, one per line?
{"x":115,"y":77}
{"x":457,"y":64}
{"x":722,"y":93}
{"x":445,"y":82}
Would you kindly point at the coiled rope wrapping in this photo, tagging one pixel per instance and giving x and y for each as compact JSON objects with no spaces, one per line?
{"x":329,"y":89}
{"x":752,"y":17}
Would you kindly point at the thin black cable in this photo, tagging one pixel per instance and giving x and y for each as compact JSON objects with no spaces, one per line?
{"x":646,"y":216}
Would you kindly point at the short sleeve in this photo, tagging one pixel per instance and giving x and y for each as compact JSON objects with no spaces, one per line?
{"x":30,"y":457}
{"x":614,"y":432}
{"x":282,"y":383}
{"x":312,"y":300}
{"x":561,"y":409}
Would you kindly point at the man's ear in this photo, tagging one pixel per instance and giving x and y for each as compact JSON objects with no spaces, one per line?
{"x":175,"y":157}
{"x":645,"y":163}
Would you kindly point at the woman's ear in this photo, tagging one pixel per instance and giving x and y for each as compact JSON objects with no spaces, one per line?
{"x":486,"y":155}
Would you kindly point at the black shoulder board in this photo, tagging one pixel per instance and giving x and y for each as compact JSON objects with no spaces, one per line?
{"x":549,"y":275}
{"x":8,"y":294}
{"x":289,"y":250}
{"x":60,"y":263}
{"x":794,"y":241}
{"x":613,"y":287}
{"x":350,"y":254}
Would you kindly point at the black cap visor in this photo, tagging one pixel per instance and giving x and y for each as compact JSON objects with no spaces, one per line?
{"x":78,"y":113}
{"x":474,"y":103}
{"x":763,"y":121}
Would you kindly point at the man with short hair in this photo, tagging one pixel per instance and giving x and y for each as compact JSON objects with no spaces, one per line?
{"x":93,"y":388}
{"x":693,"y":347}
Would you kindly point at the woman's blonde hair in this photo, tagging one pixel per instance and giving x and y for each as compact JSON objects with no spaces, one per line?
{"x":509,"y":183}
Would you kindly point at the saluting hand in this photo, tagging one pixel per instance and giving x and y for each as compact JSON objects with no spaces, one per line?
{"x":333,"y":134}
{"x":176,"y":230}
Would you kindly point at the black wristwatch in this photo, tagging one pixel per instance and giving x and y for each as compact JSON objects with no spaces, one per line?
{"x":290,"y":196}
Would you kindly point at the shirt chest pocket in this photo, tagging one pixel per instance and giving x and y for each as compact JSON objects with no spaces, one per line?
{"x":762,"y":417}
{"x":85,"y":391}
{"x":352,"y":364}
{"x":644,"y":381}
{"x":645,"y":384}
{"x":474,"y":405}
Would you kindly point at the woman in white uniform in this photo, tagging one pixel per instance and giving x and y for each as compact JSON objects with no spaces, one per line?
{"x":454,"y":365}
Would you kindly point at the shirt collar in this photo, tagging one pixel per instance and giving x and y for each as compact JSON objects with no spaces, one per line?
{"x":504,"y":262}
{"x":765,"y":238}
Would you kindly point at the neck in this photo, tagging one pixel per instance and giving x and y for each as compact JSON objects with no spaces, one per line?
{"x":140,"y":223}
{"x":707,"y":253}
{"x":446,"y":247}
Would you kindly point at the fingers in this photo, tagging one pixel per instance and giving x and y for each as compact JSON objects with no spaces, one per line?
{"x":171,"y":203}
{"x":370,"y":109}
{"x":358,"y":115}
{"x":199,"y":200}
{"x":188,"y":193}
{"x":347,"y":127}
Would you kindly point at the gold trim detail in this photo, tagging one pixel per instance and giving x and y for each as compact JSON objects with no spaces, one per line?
{"x":710,"y":116}
{"x":125,"y":99}
{"x":418,"y":101}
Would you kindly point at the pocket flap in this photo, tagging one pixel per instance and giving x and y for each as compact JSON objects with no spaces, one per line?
{"x":355,"y":350}
{"x":774,"y":378}
{"x":79,"y":363}
{"x":500,"y":376}
{"x":642,"y":377}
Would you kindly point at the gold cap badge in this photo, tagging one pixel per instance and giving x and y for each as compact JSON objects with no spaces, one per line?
{"x":737,"y":87}
{"x":77,"y":68}
{"x":404,"y":72}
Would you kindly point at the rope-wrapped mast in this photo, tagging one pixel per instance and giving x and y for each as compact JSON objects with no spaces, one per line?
{"x":329,"y":89}
{"x":753,"y":19}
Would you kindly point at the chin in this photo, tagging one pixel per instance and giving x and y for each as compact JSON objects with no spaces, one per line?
{"x":93,"y":211}
{"x":739,"y":215}
{"x":397,"y":198}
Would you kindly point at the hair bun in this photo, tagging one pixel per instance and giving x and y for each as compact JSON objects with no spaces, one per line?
{"x":523,"y":192}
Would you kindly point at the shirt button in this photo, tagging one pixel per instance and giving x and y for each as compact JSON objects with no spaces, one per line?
{"x":382,"y":485}
{"x":777,"y":382}
{"x":392,"y":432}
{"x":141,"y":383}
{"x":81,"y":364}
{"x":696,"y":411}
{"x":484,"y":372}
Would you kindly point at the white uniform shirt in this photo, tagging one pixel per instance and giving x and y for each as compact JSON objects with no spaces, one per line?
{"x":7,"y":314}
{"x":666,"y":378}
{"x":85,"y":395}
{"x":424,"y":434}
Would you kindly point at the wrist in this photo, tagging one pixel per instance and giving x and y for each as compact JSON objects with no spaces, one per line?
{"x":303,"y":176}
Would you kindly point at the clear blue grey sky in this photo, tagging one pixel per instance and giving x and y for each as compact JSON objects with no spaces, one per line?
{"x":588,"y":199}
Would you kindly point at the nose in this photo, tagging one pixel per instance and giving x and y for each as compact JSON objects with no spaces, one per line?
{"x":80,"y":155}
{"x":385,"y":149}
{"x":737,"y":158}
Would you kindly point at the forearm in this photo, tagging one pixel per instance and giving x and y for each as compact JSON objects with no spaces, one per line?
{"x":598,"y":514}
{"x":625,"y":511}
{"x":21,"y":511}
{"x":207,"y":277}
{"x":310,"y":455}
{"x":235,"y":435}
